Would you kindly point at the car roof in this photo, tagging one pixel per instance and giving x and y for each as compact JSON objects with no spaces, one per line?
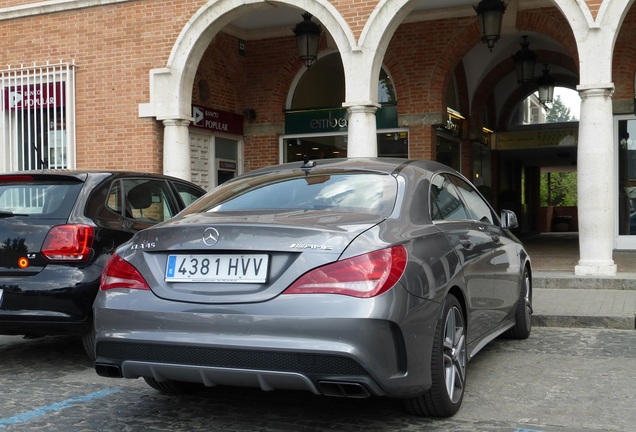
{"x":383,"y":165}
{"x":83,"y":174}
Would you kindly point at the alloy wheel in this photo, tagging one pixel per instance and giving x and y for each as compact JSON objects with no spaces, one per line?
{"x":454,"y":354}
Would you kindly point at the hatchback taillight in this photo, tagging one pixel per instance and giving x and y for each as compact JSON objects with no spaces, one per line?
{"x":119,"y":273}
{"x":68,"y":243}
{"x":367,"y":275}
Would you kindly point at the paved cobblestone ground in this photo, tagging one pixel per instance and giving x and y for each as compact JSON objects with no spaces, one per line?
{"x":559,"y":380}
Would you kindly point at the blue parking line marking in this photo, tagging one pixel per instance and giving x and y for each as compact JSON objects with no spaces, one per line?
{"x":528,"y":430}
{"x":58,"y":406}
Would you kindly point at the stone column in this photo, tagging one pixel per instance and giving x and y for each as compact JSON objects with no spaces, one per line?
{"x":362,"y":135}
{"x":176,"y":148}
{"x":596,"y":183}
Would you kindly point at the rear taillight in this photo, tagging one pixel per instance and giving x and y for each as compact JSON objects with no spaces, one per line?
{"x":68,"y":243}
{"x":367,"y":275}
{"x":119,"y":273}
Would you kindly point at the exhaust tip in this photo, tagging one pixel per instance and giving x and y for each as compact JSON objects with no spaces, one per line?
{"x":108,"y":370}
{"x":343,"y":389}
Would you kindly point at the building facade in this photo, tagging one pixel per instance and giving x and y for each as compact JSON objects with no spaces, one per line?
{"x":205,"y":90}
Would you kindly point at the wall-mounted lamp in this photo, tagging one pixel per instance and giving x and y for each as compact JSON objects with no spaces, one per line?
{"x":454,"y":114}
{"x":249,"y":114}
{"x":307,"y":36}
{"x":546,"y":85}
{"x":525,"y":60}
{"x":490,"y":15}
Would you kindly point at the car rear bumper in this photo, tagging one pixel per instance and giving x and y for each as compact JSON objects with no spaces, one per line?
{"x":346,"y":347}
{"x":57,"y":300}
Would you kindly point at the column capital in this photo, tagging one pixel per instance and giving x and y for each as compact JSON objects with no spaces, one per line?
{"x":176,"y":122}
{"x":362,"y":106}
{"x":596,"y":90}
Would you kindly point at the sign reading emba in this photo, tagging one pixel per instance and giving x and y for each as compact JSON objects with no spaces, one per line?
{"x":333,"y":120}
{"x":329,"y":123}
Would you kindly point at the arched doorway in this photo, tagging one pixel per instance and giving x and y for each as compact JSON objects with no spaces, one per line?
{"x":316,"y":124}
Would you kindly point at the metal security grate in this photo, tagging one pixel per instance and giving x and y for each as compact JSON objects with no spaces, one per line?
{"x":37,"y":125}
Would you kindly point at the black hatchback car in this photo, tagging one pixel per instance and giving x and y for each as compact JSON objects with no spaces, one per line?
{"x":57,"y":231}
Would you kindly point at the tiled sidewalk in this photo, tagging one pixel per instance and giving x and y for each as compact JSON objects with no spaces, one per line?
{"x":562,"y":299}
{"x":585,"y":308}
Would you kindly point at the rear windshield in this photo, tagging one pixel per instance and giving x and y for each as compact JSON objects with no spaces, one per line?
{"x":38,"y":200}
{"x":364,"y":192}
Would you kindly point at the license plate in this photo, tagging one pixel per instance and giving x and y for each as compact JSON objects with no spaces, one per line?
{"x":217,"y":268}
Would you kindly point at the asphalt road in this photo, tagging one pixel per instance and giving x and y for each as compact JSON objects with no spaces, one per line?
{"x":558,"y":380}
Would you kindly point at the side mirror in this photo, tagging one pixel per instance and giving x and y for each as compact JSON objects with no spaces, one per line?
{"x":509,"y":219}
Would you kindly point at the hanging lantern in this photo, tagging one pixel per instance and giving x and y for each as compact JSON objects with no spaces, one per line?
{"x":490,"y":15}
{"x":546,"y":85}
{"x":525,"y":60}
{"x":307,"y":36}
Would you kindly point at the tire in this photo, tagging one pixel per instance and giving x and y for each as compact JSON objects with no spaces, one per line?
{"x":448,"y":366}
{"x":173,"y":387}
{"x":523,"y":312}
{"x":88,"y":340}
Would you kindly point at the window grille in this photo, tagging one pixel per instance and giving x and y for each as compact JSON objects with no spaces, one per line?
{"x":37,"y":125}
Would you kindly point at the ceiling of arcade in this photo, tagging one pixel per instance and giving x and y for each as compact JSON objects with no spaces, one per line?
{"x":490,"y":76}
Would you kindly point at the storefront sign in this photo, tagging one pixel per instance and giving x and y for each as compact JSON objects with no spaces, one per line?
{"x":333,"y":120}
{"x":34,"y":96}
{"x":227,"y":165}
{"x":217,"y":120}
{"x":536,"y":138}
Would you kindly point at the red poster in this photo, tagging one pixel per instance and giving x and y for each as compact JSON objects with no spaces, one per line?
{"x":217,"y":120}
{"x":34,"y":96}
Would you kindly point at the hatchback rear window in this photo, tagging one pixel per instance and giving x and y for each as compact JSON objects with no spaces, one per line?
{"x":49,"y":199}
{"x":368,"y":193}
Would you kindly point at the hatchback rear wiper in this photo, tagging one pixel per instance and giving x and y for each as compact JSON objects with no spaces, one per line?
{"x":4,"y":213}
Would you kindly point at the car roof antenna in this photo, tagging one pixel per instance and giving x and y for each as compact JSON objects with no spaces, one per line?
{"x":307,"y":164}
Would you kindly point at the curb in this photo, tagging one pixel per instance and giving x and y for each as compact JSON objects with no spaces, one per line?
{"x":616,"y":322}
{"x":584,"y":307}
{"x":565,"y":280}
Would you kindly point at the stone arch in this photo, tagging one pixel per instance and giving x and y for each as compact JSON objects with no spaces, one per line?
{"x":624,"y":63}
{"x":587,"y":26}
{"x":538,"y":22}
{"x":523,"y":92}
{"x":297,"y":77}
{"x":482,"y":95}
{"x":171,"y":87}
{"x":374,"y":39}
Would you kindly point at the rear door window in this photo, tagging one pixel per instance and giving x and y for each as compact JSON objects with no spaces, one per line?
{"x":478,"y":207}
{"x":142,"y":199}
{"x":187,"y":193}
{"x":446,"y":203}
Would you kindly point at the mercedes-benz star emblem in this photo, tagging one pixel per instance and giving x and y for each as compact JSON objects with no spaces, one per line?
{"x":210,"y":236}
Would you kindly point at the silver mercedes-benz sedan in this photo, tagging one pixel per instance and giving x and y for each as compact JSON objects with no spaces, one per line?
{"x":354,"y":278}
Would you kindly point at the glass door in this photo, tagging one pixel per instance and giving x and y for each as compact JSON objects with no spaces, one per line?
{"x":226,"y":159}
{"x":627,"y":177}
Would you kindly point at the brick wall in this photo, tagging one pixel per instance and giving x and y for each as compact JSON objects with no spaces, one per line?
{"x":624,"y":62}
{"x":115,"y":47}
